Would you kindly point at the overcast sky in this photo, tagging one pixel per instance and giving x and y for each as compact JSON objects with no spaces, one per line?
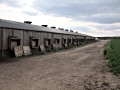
{"x":92,"y":17}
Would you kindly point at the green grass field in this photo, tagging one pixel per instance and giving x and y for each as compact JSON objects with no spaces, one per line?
{"x":112,"y":53}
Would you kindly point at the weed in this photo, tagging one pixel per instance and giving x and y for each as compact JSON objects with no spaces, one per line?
{"x":112,"y":53}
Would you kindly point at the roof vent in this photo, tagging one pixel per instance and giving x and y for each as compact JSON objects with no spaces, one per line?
{"x":66,"y":29}
{"x":61,"y":28}
{"x":53,"y":27}
{"x":44,"y":25}
{"x":76,"y":31}
{"x":28,"y":22}
{"x":71,"y":30}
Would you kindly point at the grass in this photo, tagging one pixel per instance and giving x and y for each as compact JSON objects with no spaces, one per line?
{"x":112,"y":53}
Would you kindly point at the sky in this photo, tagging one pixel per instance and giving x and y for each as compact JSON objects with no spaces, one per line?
{"x":92,"y":17}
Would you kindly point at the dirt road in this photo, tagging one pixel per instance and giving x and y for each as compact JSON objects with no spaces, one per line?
{"x":82,"y":68}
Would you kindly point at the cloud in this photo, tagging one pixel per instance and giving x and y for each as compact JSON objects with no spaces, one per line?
{"x":98,"y":11}
{"x":108,"y":27}
{"x":92,"y":17}
{"x":30,"y":13}
{"x":101,"y":33}
{"x":23,"y":6}
{"x":104,"y":18}
{"x":80,"y":28}
{"x":12,"y":3}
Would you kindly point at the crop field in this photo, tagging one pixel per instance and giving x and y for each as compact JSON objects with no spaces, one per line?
{"x":112,"y":53}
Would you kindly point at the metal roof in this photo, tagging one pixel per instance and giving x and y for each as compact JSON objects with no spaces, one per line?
{"x":25,"y":26}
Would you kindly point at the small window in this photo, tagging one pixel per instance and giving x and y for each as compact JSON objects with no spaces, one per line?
{"x":58,"y":41}
{"x":73,"y":40}
{"x":69,"y":40}
{"x":34,"y":42}
{"x":47,"y":42}
{"x":13,"y":42}
{"x":77,"y":40}
{"x":64,"y":40}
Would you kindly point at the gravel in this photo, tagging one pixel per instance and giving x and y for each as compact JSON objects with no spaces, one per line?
{"x":82,"y":68}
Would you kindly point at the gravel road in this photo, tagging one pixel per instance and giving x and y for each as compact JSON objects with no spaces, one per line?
{"x":82,"y":68}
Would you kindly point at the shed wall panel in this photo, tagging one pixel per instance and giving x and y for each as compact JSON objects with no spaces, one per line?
{"x":25,"y":38}
{"x":49,"y":35}
{"x":19,"y":34}
{"x":58,"y":36}
{"x":6,"y":34}
{"x":43,"y":36}
{"x":34,"y":34}
{"x":39,"y":37}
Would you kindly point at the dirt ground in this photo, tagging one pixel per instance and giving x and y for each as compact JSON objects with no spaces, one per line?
{"x":82,"y":68}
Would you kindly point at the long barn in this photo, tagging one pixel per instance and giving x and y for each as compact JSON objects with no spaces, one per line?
{"x":14,"y":34}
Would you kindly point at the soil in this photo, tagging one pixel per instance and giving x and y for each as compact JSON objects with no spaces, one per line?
{"x":82,"y":68}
